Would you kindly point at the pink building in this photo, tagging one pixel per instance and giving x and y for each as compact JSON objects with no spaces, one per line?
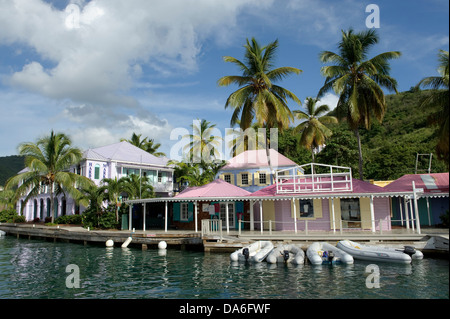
{"x":307,"y":197}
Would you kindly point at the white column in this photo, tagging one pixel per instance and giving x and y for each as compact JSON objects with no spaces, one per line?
{"x":252,"y":216}
{"x":406,"y":212}
{"x":332,"y":215}
{"x":261,"y":216}
{"x":416,"y":208}
{"x":428,"y":211}
{"x":195,"y":216}
{"x":227,"y":217}
{"x":295,"y":215}
{"x":165,"y":218}
{"x":411,"y":212}
{"x":401,"y":210}
{"x":372,"y":214}
{"x":145,"y":208}
{"x":129,"y":217}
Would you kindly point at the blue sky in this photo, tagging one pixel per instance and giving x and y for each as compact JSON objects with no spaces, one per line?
{"x":100,"y":70}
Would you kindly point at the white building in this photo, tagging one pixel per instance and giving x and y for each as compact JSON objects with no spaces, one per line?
{"x":111,"y":161}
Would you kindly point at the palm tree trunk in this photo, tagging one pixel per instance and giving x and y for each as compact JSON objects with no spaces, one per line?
{"x":312,"y":153}
{"x":272,"y":173}
{"x":360,"y":163}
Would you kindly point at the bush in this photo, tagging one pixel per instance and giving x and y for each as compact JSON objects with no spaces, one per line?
{"x":103,"y":219}
{"x":11,"y":216}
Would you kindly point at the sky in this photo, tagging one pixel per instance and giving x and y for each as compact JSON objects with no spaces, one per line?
{"x":100,"y":70}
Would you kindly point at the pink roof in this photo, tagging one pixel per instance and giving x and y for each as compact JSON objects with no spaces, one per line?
{"x":256,"y":159}
{"x":359,"y":187}
{"x":217,"y":188}
{"x":431,"y":183}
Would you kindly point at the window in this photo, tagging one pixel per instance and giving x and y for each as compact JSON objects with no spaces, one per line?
{"x":159,"y":177}
{"x":306,"y":208}
{"x":227,"y":178}
{"x":97,"y":172}
{"x":244,"y":178}
{"x":184,"y":211}
{"x":262,"y":178}
{"x":350,"y":213}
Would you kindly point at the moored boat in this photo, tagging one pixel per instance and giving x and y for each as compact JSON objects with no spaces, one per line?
{"x":324,"y":253}
{"x":287,"y":253}
{"x":255,"y":252}
{"x":375,"y":253}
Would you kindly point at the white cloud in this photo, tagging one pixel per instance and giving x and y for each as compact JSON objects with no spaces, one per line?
{"x":329,"y":99}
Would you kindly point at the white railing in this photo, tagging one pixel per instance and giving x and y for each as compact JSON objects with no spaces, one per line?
{"x":310,"y":178}
{"x":212,"y":227}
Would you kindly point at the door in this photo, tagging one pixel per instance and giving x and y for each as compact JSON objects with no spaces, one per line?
{"x":231,"y":215}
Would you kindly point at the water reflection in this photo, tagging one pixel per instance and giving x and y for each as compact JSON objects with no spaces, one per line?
{"x":36,"y":269}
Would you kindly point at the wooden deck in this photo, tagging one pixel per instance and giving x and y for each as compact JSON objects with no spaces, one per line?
{"x":79,"y":234}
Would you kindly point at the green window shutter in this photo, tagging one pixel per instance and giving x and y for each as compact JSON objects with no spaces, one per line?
{"x":176,"y":212}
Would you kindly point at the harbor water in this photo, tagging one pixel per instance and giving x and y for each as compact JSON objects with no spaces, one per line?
{"x":38,"y":269}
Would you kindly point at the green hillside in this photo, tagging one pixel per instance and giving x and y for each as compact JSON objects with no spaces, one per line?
{"x":389,"y":149}
{"x":10,"y":166}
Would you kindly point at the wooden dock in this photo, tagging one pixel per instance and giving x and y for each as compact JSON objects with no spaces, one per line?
{"x":81,"y":235}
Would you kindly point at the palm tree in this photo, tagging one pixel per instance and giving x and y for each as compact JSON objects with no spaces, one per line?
{"x":146,"y":144}
{"x":114,"y":189}
{"x":249,"y":139}
{"x":439,"y":100}
{"x":48,"y":162}
{"x":258,"y":97}
{"x":152,"y":148}
{"x":138,"y":187}
{"x":314,"y":131}
{"x":358,"y":81}
{"x":204,"y":146}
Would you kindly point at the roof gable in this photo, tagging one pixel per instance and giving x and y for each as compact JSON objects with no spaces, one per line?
{"x":257,"y":159}
{"x":431,"y":183}
{"x":124,"y":152}
{"x":217,"y":188}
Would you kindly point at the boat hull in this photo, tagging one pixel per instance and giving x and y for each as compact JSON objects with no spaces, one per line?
{"x":317,"y":254}
{"x":377,"y":254}
{"x":296,"y":255}
{"x":257,"y":252}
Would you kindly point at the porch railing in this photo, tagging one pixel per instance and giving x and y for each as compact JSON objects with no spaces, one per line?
{"x":212,"y":227}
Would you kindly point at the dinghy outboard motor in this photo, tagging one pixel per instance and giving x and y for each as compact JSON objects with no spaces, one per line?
{"x":246,"y":253}
{"x":285,"y":255}
{"x":330,"y":256}
{"x":409,"y":250}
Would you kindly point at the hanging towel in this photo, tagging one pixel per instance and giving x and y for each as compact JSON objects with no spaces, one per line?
{"x":217,"y":208}
{"x":240,"y":207}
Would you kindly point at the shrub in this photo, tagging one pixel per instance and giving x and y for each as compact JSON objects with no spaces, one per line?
{"x":11,"y":216}
{"x":103,"y":219}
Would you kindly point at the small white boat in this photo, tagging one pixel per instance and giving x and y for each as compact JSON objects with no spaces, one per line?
{"x":374,"y":253}
{"x":255,"y":252}
{"x":2,"y":233}
{"x":323,"y":253}
{"x":287,"y":253}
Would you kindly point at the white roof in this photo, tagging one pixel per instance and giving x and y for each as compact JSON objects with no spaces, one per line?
{"x":124,"y":152}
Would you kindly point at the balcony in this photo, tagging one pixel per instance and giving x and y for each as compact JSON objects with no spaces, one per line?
{"x":314,"y":178}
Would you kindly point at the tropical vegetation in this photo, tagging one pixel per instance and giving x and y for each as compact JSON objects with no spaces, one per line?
{"x":313,"y":130}
{"x":258,"y":98}
{"x":438,"y":101}
{"x":47,"y":165}
{"x":386,"y":131}
{"x":146,"y":144}
{"x":358,"y":81}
